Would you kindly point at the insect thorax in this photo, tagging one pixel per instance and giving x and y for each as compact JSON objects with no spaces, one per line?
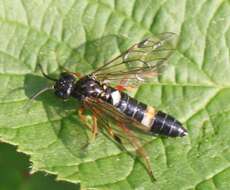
{"x":89,"y":87}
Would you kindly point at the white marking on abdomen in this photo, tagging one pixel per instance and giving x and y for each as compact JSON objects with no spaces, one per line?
{"x":116,"y":97}
{"x":148,"y":117}
{"x":125,"y":103}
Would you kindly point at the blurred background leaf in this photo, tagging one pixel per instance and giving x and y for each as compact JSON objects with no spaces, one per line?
{"x":14,"y":175}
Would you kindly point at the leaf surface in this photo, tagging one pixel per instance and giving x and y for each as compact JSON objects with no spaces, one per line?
{"x":82,"y":35}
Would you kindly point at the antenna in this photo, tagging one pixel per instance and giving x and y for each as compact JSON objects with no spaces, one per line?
{"x":26,"y":106}
{"x":45,"y":75}
{"x":40,"y":92}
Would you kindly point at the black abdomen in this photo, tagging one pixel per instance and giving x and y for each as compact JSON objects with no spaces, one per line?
{"x":165,"y":124}
{"x":131,"y":107}
{"x":155,"y":122}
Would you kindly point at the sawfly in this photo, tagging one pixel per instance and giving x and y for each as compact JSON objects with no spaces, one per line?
{"x":103,"y":92}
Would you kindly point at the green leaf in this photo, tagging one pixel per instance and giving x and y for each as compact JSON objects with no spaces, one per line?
{"x":81,"y":35}
{"x":15,"y":173}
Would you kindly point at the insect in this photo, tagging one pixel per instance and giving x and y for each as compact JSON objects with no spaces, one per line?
{"x":103,"y":93}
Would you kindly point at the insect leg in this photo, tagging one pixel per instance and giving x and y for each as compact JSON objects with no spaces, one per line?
{"x":80,"y":112}
{"x":94,"y":128}
{"x":98,"y":118}
{"x":139,"y":149}
{"x":114,"y":135}
{"x":76,"y":74}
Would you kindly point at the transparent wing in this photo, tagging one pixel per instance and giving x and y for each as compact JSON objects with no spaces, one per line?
{"x":121,"y":132}
{"x":141,"y":61}
{"x":112,"y":114}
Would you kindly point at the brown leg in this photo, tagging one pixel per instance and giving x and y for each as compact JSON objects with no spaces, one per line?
{"x":93,"y":128}
{"x":114,"y":136}
{"x":139,"y":149}
{"x":82,"y":116}
{"x":76,"y":74}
